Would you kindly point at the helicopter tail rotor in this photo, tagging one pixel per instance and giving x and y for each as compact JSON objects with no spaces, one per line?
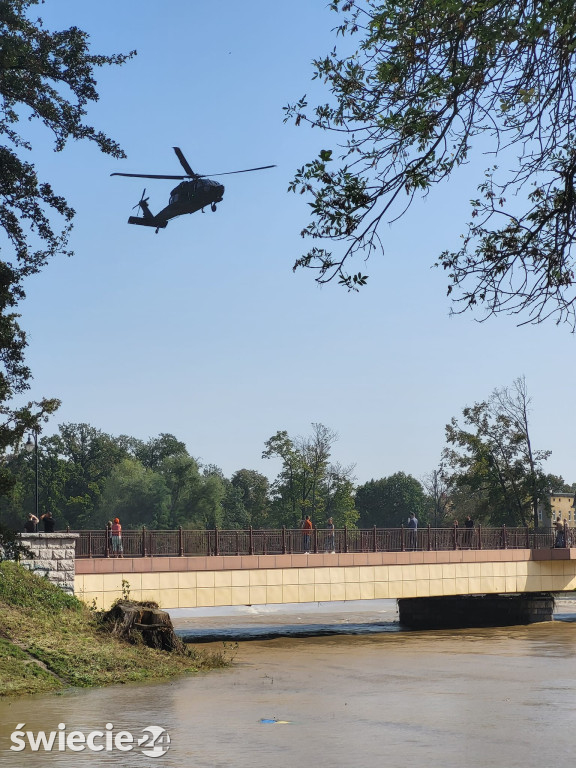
{"x":147,"y":218}
{"x":142,"y":202}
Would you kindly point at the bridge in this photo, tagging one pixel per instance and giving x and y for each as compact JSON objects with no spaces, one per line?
{"x":234,"y":568}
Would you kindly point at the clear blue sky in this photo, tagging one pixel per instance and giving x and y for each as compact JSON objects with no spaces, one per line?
{"x":203,"y":330}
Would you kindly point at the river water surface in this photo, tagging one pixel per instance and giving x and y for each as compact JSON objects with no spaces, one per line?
{"x":489,"y":697}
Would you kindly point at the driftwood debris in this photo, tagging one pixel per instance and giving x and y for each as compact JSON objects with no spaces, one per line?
{"x":143,"y":622}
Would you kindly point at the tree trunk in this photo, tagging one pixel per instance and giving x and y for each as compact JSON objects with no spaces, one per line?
{"x":143,"y":622}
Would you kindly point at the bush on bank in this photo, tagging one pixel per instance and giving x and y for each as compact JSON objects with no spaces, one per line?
{"x":50,"y":640}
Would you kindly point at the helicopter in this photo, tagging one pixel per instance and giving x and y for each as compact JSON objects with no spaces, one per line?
{"x":189,"y":196}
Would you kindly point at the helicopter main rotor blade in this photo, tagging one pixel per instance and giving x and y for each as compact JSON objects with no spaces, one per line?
{"x":246,"y":170}
{"x":183,"y":162}
{"x":190,"y":175}
{"x":148,"y":176}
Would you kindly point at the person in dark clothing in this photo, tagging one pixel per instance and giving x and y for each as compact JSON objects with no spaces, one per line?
{"x":49,"y":522}
{"x":330,"y":543}
{"x":560,"y":540}
{"x":469,"y":524}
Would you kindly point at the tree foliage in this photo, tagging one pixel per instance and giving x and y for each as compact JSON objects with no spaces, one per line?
{"x":49,"y":77}
{"x":86,"y":477}
{"x":439,"y":497}
{"x":422,"y":83}
{"x":387,"y":502}
{"x":181,"y":476}
{"x":307,"y":483}
{"x":11,"y":545}
{"x":87,"y":457}
{"x":339,"y":501}
{"x":254,"y":495}
{"x":157,"y":450}
{"x":492,"y":457}
{"x":46,"y":77}
{"x":136,"y":495}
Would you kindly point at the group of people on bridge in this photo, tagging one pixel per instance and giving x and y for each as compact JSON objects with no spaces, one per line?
{"x":307,"y":528}
{"x":31,"y":525}
{"x":412,"y":525}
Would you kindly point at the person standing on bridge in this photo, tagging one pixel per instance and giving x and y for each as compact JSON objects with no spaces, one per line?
{"x":306,"y":528}
{"x":560,"y":540}
{"x":31,"y":525}
{"x":330,"y":543}
{"x":49,"y":522}
{"x":117,"y":548}
{"x":469,"y":524}
{"x":412,"y":531}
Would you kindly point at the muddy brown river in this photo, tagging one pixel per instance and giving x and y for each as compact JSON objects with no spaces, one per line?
{"x":492,"y":697}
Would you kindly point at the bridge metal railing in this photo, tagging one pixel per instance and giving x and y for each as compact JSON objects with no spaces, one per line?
{"x":253,"y":541}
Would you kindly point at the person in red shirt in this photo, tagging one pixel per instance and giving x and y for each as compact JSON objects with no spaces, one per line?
{"x":306,"y":528}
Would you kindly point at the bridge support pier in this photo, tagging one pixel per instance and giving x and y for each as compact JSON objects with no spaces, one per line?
{"x":475,"y":610}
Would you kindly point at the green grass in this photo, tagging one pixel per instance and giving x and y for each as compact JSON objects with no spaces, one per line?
{"x":40,"y":623}
{"x":19,"y":675}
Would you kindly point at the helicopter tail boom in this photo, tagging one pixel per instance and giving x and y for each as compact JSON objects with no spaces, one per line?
{"x":147,"y":222}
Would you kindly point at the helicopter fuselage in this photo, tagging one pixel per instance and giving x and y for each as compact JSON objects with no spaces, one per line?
{"x":187,"y":197}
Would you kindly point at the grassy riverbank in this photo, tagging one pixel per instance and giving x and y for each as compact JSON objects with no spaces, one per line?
{"x":50,"y":641}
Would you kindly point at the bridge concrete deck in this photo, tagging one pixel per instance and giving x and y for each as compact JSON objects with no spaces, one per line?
{"x":189,"y":582}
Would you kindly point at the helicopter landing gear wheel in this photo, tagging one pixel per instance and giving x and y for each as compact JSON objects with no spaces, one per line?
{"x":213,"y":207}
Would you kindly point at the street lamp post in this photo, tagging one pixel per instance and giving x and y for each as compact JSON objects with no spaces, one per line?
{"x":33,"y":446}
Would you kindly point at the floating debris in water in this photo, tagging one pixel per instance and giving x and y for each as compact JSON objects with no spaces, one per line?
{"x":273,"y":721}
